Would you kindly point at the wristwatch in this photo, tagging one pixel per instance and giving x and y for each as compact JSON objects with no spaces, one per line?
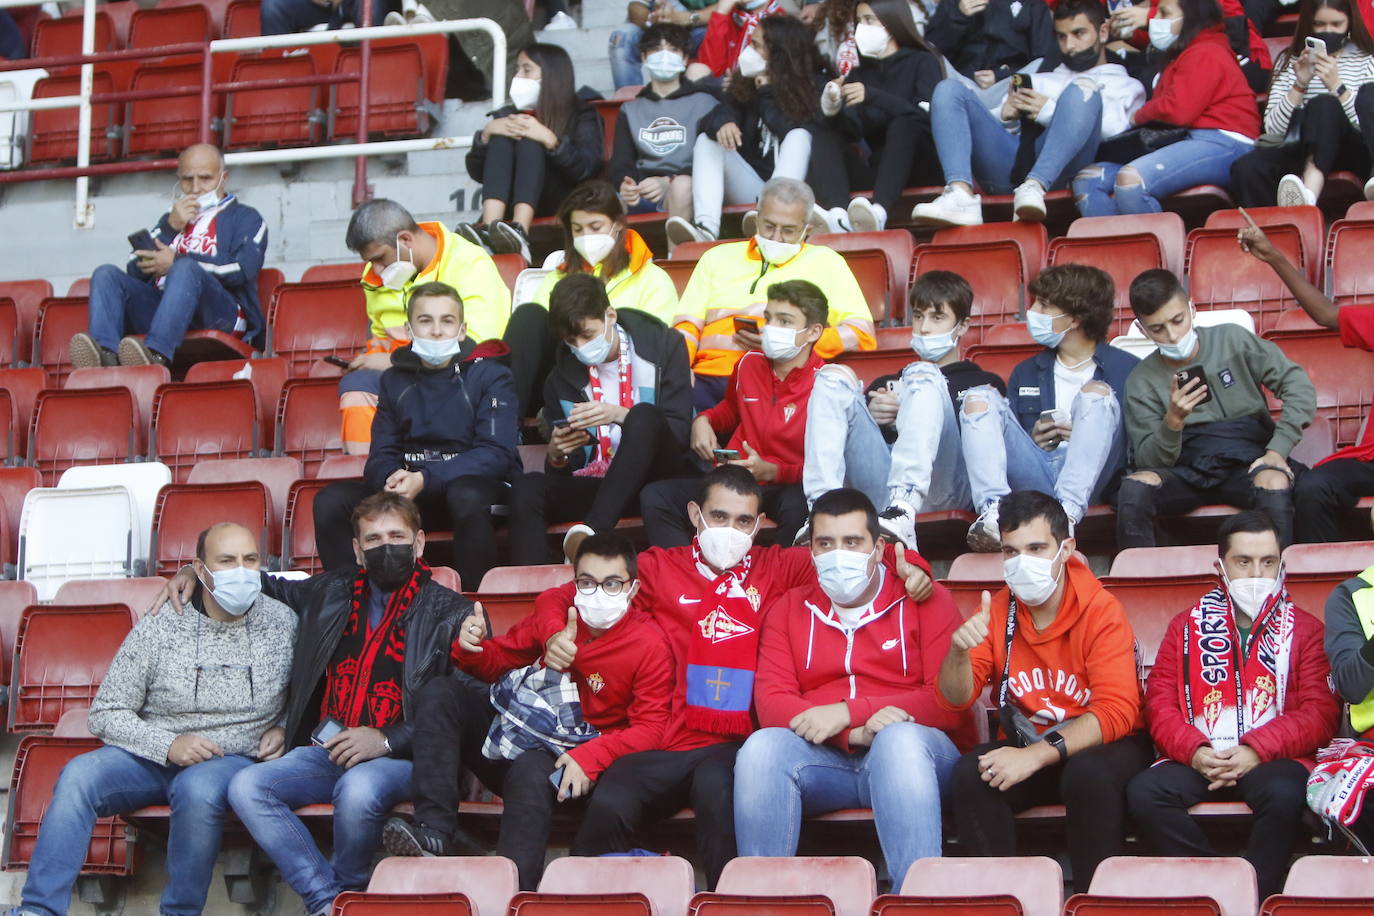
{"x":386,"y":743}
{"x":1056,"y":741}
{"x":694,"y":20}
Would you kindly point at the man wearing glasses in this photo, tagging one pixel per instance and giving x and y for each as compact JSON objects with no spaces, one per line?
{"x":173,"y":737}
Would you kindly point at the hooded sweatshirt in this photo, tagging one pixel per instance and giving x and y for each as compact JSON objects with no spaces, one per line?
{"x":642,"y":285}
{"x":768,"y":412}
{"x":654,"y":134}
{"x":1085,"y":661}
{"x":1203,"y":88}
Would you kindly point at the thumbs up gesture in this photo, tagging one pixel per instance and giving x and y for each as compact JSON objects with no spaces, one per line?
{"x":918,"y":584}
{"x":832,"y":97}
{"x":473,"y":631}
{"x":561,"y":647}
{"x":975,"y":629}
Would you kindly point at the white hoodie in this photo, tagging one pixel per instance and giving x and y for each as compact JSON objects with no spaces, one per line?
{"x":1122,"y":95}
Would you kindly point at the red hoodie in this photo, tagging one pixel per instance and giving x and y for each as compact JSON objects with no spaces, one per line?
{"x":624,"y":676}
{"x":1204,"y":89}
{"x":806,"y":659}
{"x":767,"y":412}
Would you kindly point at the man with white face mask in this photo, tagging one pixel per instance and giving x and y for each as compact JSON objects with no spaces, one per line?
{"x":188,"y":701}
{"x":445,"y":435}
{"x":1059,"y":654}
{"x":1239,"y":702}
{"x":846,"y":698}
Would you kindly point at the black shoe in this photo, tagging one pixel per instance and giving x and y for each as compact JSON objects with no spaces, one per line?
{"x":402,"y":838}
{"x":509,"y":238}
{"x":476,"y":233}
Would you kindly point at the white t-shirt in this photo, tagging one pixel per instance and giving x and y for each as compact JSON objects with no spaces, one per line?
{"x":1068,"y":382}
{"x":608,"y":373}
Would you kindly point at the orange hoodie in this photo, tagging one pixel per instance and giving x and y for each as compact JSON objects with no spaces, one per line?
{"x":1084,"y":662}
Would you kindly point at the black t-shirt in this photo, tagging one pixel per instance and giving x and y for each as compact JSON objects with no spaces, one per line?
{"x":960,"y":376}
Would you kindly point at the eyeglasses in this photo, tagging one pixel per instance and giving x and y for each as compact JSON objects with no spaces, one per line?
{"x":612,"y":586}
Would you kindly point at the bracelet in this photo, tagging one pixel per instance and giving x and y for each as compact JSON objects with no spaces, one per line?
{"x":558,"y":462}
{"x":1301,"y":87}
{"x":1340,"y":91}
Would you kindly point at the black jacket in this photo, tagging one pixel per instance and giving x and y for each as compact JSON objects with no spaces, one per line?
{"x":576,"y":158}
{"x":757,"y":118}
{"x":959,"y":376}
{"x":893,"y":86}
{"x":996,"y":39}
{"x":323,"y":603}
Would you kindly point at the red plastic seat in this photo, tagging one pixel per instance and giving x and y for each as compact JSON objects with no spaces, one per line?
{"x":14,"y":598}
{"x":62,"y":37}
{"x":1031,"y":238}
{"x":1010,"y":886}
{"x":896,"y":247}
{"x":313,"y":320}
{"x":242,"y":19}
{"x":1220,"y":275}
{"x":507,"y":580}
{"x":27,"y":295}
{"x":10,"y":351}
{"x":142,"y":383}
{"x":277,"y":474}
{"x":298,"y":548}
{"x":1167,"y":228}
{"x":1308,"y":221}
{"x":1344,"y":380}
{"x":58,"y":320}
{"x":287,"y":116}
{"x":1164,"y":562}
{"x":871,"y":365}
{"x":995,"y":270}
{"x":1323,"y":885}
{"x":1349,"y":265}
{"x":400,"y":97}
{"x":53,"y":672}
{"x":1123,"y":257}
{"x":613,"y":884}
{"x":23,"y":386}
{"x":347,"y":272}
{"x":308,"y":421}
{"x":15,"y":483}
{"x":266,"y":374}
{"x":1291,"y":322}
{"x":1151,"y":603}
{"x":343,"y":467}
{"x":366,"y":903}
{"x":509,"y":267}
{"x":53,"y":134}
{"x":204,"y":420}
{"x":1002,"y":351}
{"x":1348,"y":557}
{"x":168,"y":125}
{"x":848,"y":883}
{"x":184,"y":510}
{"x":135,"y":594}
{"x":153,"y":27}
{"x":95,"y":426}
{"x":1154,"y":882}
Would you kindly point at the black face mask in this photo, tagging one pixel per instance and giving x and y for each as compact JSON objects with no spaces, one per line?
{"x":1079,"y":61}
{"x":1334,"y":41}
{"x":389,"y":566}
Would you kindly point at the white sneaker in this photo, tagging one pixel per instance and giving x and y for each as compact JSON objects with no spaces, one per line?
{"x":1293,"y":193}
{"x":561,"y":22}
{"x":573,"y":540}
{"x":955,"y":207}
{"x":1029,"y":202}
{"x":749,"y":224}
{"x":823,"y":221}
{"x":1369,"y":189}
{"x":866,"y":216}
{"x":679,"y":231}
{"x":983,"y":535}
{"x":899,"y":521}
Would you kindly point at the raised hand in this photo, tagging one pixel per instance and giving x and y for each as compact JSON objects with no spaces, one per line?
{"x":561,"y":648}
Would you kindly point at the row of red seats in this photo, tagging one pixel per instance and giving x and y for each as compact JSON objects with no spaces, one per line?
{"x":125,"y":24}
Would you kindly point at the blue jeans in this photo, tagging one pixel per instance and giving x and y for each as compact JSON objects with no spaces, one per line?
{"x":780,"y":778}
{"x":282,"y":16}
{"x":110,"y":781}
{"x":1204,"y":158}
{"x":265,"y":796}
{"x":925,"y":467}
{"x":1001,"y":456}
{"x":192,"y":297}
{"x":626,"y":64}
{"x":972,"y":142}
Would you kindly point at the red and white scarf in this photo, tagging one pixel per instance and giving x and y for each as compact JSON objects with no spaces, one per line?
{"x":1227,"y":692}
{"x":748,"y":20}
{"x":605,"y":450}
{"x":723,"y":652}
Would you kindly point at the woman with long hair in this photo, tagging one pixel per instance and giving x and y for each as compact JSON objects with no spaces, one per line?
{"x":533,"y":151}
{"x":1311,"y":115}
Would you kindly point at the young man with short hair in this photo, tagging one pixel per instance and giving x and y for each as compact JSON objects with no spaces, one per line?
{"x":846,"y":698}
{"x":1059,"y":427}
{"x":1239,"y":702}
{"x":1198,"y":419}
{"x":1059,"y":654}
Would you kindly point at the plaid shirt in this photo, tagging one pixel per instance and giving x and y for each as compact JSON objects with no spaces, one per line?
{"x":536,"y":707}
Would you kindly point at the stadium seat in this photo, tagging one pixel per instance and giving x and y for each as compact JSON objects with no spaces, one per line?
{"x":366,"y":903}
{"x":277,"y":474}
{"x":996,"y":272}
{"x":1344,"y":380}
{"x":871,"y":365}
{"x":1123,"y":257}
{"x":266,"y":374}
{"x":61,"y":37}
{"x":509,"y":266}
{"x":1220,"y":275}
{"x":1164,"y":562}
{"x":136,"y":594}
{"x":14,"y":597}
{"x":489,"y":882}
{"x":678,"y":270}
{"x":1010,"y":886}
{"x":242,"y":19}
{"x":143,"y":480}
{"x":95,"y":426}
{"x":59,"y":542}
{"x":16,"y":86}
{"x":610,"y":884}
{"x":345,"y":272}
{"x":308,"y":421}
{"x":15,"y":483}
{"x":1151,"y":884}
{"x":141,"y":381}
{"x":202,"y":420}
{"x":508,"y":580}
{"x":153,"y":27}
{"x":22,"y":386}
{"x":52,"y":672}
{"x":278,"y":117}
{"x":1349,"y":557}
{"x":1325,"y":885}
{"x":1031,"y":238}
{"x":1348,"y":263}
{"x":1308,"y":221}
{"x":1151,"y":603}
{"x":1004,"y":347}
{"x":58,"y":320}
{"x":185,"y":510}
{"x":298,"y":529}
{"x":312,"y":320}
{"x":54,"y":133}
{"x":401,"y":102}
{"x":1293,"y":321}
{"x":446,"y":576}
{"x":10,"y":352}
{"x":343,"y":467}
{"x":168,"y":125}
{"x":846,"y":883}
{"x":27,"y":296}
{"x":896,"y":247}
{"x":1167,"y":228}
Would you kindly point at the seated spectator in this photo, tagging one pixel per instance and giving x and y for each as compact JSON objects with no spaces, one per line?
{"x":988,"y":40}
{"x":762,"y":420}
{"x":1313,"y":99}
{"x":885,"y":105}
{"x":282,"y":16}
{"x":901,"y":448}
{"x":1059,"y":427}
{"x":651,"y":161}
{"x":1046,"y":133}
{"x":619,"y":404}
{"x":445,"y":436}
{"x":1248,"y":642}
{"x":201,"y":273}
{"x":1063,"y":676}
{"x":845,"y":722}
{"x":532,"y":152}
{"x":1336,"y":483}
{"x":732,"y":280}
{"x":188,"y":701}
{"x":402,"y":254}
{"x":1198,"y":420}
{"x":585,"y":644}
{"x":834,"y":21}
{"x":729,"y":30}
{"x":1201,"y":88}
{"x":627,"y":55}
{"x":1133,"y":24}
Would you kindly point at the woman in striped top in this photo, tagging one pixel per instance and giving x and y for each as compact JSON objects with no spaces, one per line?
{"x":1313,"y":93}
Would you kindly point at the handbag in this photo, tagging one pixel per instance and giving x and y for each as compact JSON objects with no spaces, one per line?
{"x":1130,"y":145}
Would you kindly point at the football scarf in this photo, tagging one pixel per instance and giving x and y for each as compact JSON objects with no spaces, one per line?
{"x":601,"y":461}
{"x":722,"y":653}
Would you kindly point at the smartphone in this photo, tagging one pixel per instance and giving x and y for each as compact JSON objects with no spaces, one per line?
{"x":725,"y":454}
{"x":1184,"y":376}
{"x":747,"y":323}
{"x":1114,"y":6}
{"x":1058,"y":415}
{"x":337,"y":361}
{"x":1315,"y":44}
{"x":326,"y":730}
{"x":1018,"y":82}
{"x":556,"y":777}
{"x":560,"y":423}
{"x":142,"y":240}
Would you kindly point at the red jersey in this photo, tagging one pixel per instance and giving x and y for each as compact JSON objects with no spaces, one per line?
{"x":768,"y":412}
{"x":1357,"y":331}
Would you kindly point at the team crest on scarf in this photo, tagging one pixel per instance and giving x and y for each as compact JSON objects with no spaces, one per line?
{"x":718,"y":626}
{"x":1212,"y":705}
{"x":751,"y":594}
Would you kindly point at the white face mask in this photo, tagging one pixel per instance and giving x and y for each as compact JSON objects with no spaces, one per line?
{"x":724,"y":546}
{"x":777,"y":252}
{"x":595,"y":351}
{"x":1041,"y":328}
{"x":871,"y":40}
{"x":594,"y":247}
{"x":1162,"y":34}
{"x":933,"y":347}
{"x":780,"y":343}
{"x":398,"y":273}
{"x":601,"y":611}
{"x":435,"y":352}
{"x":236,"y":588}
{"x":844,"y":574}
{"x":1031,"y":579}
{"x":1184,"y":347}
{"x":524,"y":92}
{"x":208,"y":199}
{"x":1248,"y":595}
{"x":751,"y":62}
{"x":663,"y":65}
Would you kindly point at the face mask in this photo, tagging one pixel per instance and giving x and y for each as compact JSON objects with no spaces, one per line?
{"x":932,"y":347}
{"x":1184,"y":347}
{"x":1162,"y":34}
{"x":595,"y":247}
{"x":663,"y":65}
{"x":601,"y":611}
{"x":1248,"y":595}
{"x":389,"y":565}
{"x":724,"y":546}
{"x":844,"y":574}
{"x":236,"y":589}
{"x":398,"y":273}
{"x":1041,"y":327}
{"x":435,"y":352}
{"x":871,"y":40}
{"x":208,"y":199}
{"x":524,"y":92}
{"x":594,"y":351}
{"x":751,"y":63}
{"x":777,"y":252}
{"x":1334,"y":40}
{"x":1082,"y":60}
{"x":780,"y":342}
{"x":1031,"y":579}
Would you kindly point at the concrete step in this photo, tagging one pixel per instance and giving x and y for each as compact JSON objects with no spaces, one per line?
{"x":602,"y":13}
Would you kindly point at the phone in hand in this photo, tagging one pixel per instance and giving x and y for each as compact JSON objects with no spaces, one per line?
{"x":1056,"y":415}
{"x":1018,"y":82}
{"x":747,"y":323}
{"x":325,"y":730}
{"x":142,"y":240}
{"x":1184,"y":376}
{"x":337,"y":361}
{"x":560,"y":423}
{"x":725,"y":454}
{"x":556,"y":777}
{"x":1315,"y":44}
{"x":1115,"y":6}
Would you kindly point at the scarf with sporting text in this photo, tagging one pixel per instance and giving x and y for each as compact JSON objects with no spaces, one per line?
{"x":723,"y":651}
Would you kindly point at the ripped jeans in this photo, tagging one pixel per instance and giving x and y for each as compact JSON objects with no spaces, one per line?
{"x":1204,"y":158}
{"x":1138,"y":503}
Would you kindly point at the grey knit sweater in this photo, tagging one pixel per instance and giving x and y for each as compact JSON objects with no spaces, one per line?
{"x":180,"y":674}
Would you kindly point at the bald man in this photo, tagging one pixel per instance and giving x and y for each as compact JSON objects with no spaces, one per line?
{"x":196,"y":270}
{"x":189,"y":700}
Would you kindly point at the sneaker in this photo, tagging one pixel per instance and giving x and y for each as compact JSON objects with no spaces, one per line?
{"x":954,"y":207}
{"x":866,"y":216}
{"x":803,"y":538}
{"x":394,"y":18}
{"x":476,"y":233}
{"x":749,"y":224}
{"x":134,"y":352}
{"x":561,"y":22}
{"x":1293,"y":193}
{"x":573,"y":540}
{"x":402,"y":838}
{"x":85,"y":353}
{"x":983,"y":535}
{"x":1029,"y":202}
{"x":679,"y":231}
{"x":832,"y":220}
{"x":898,"y":521}
{"x":509,"y":238}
